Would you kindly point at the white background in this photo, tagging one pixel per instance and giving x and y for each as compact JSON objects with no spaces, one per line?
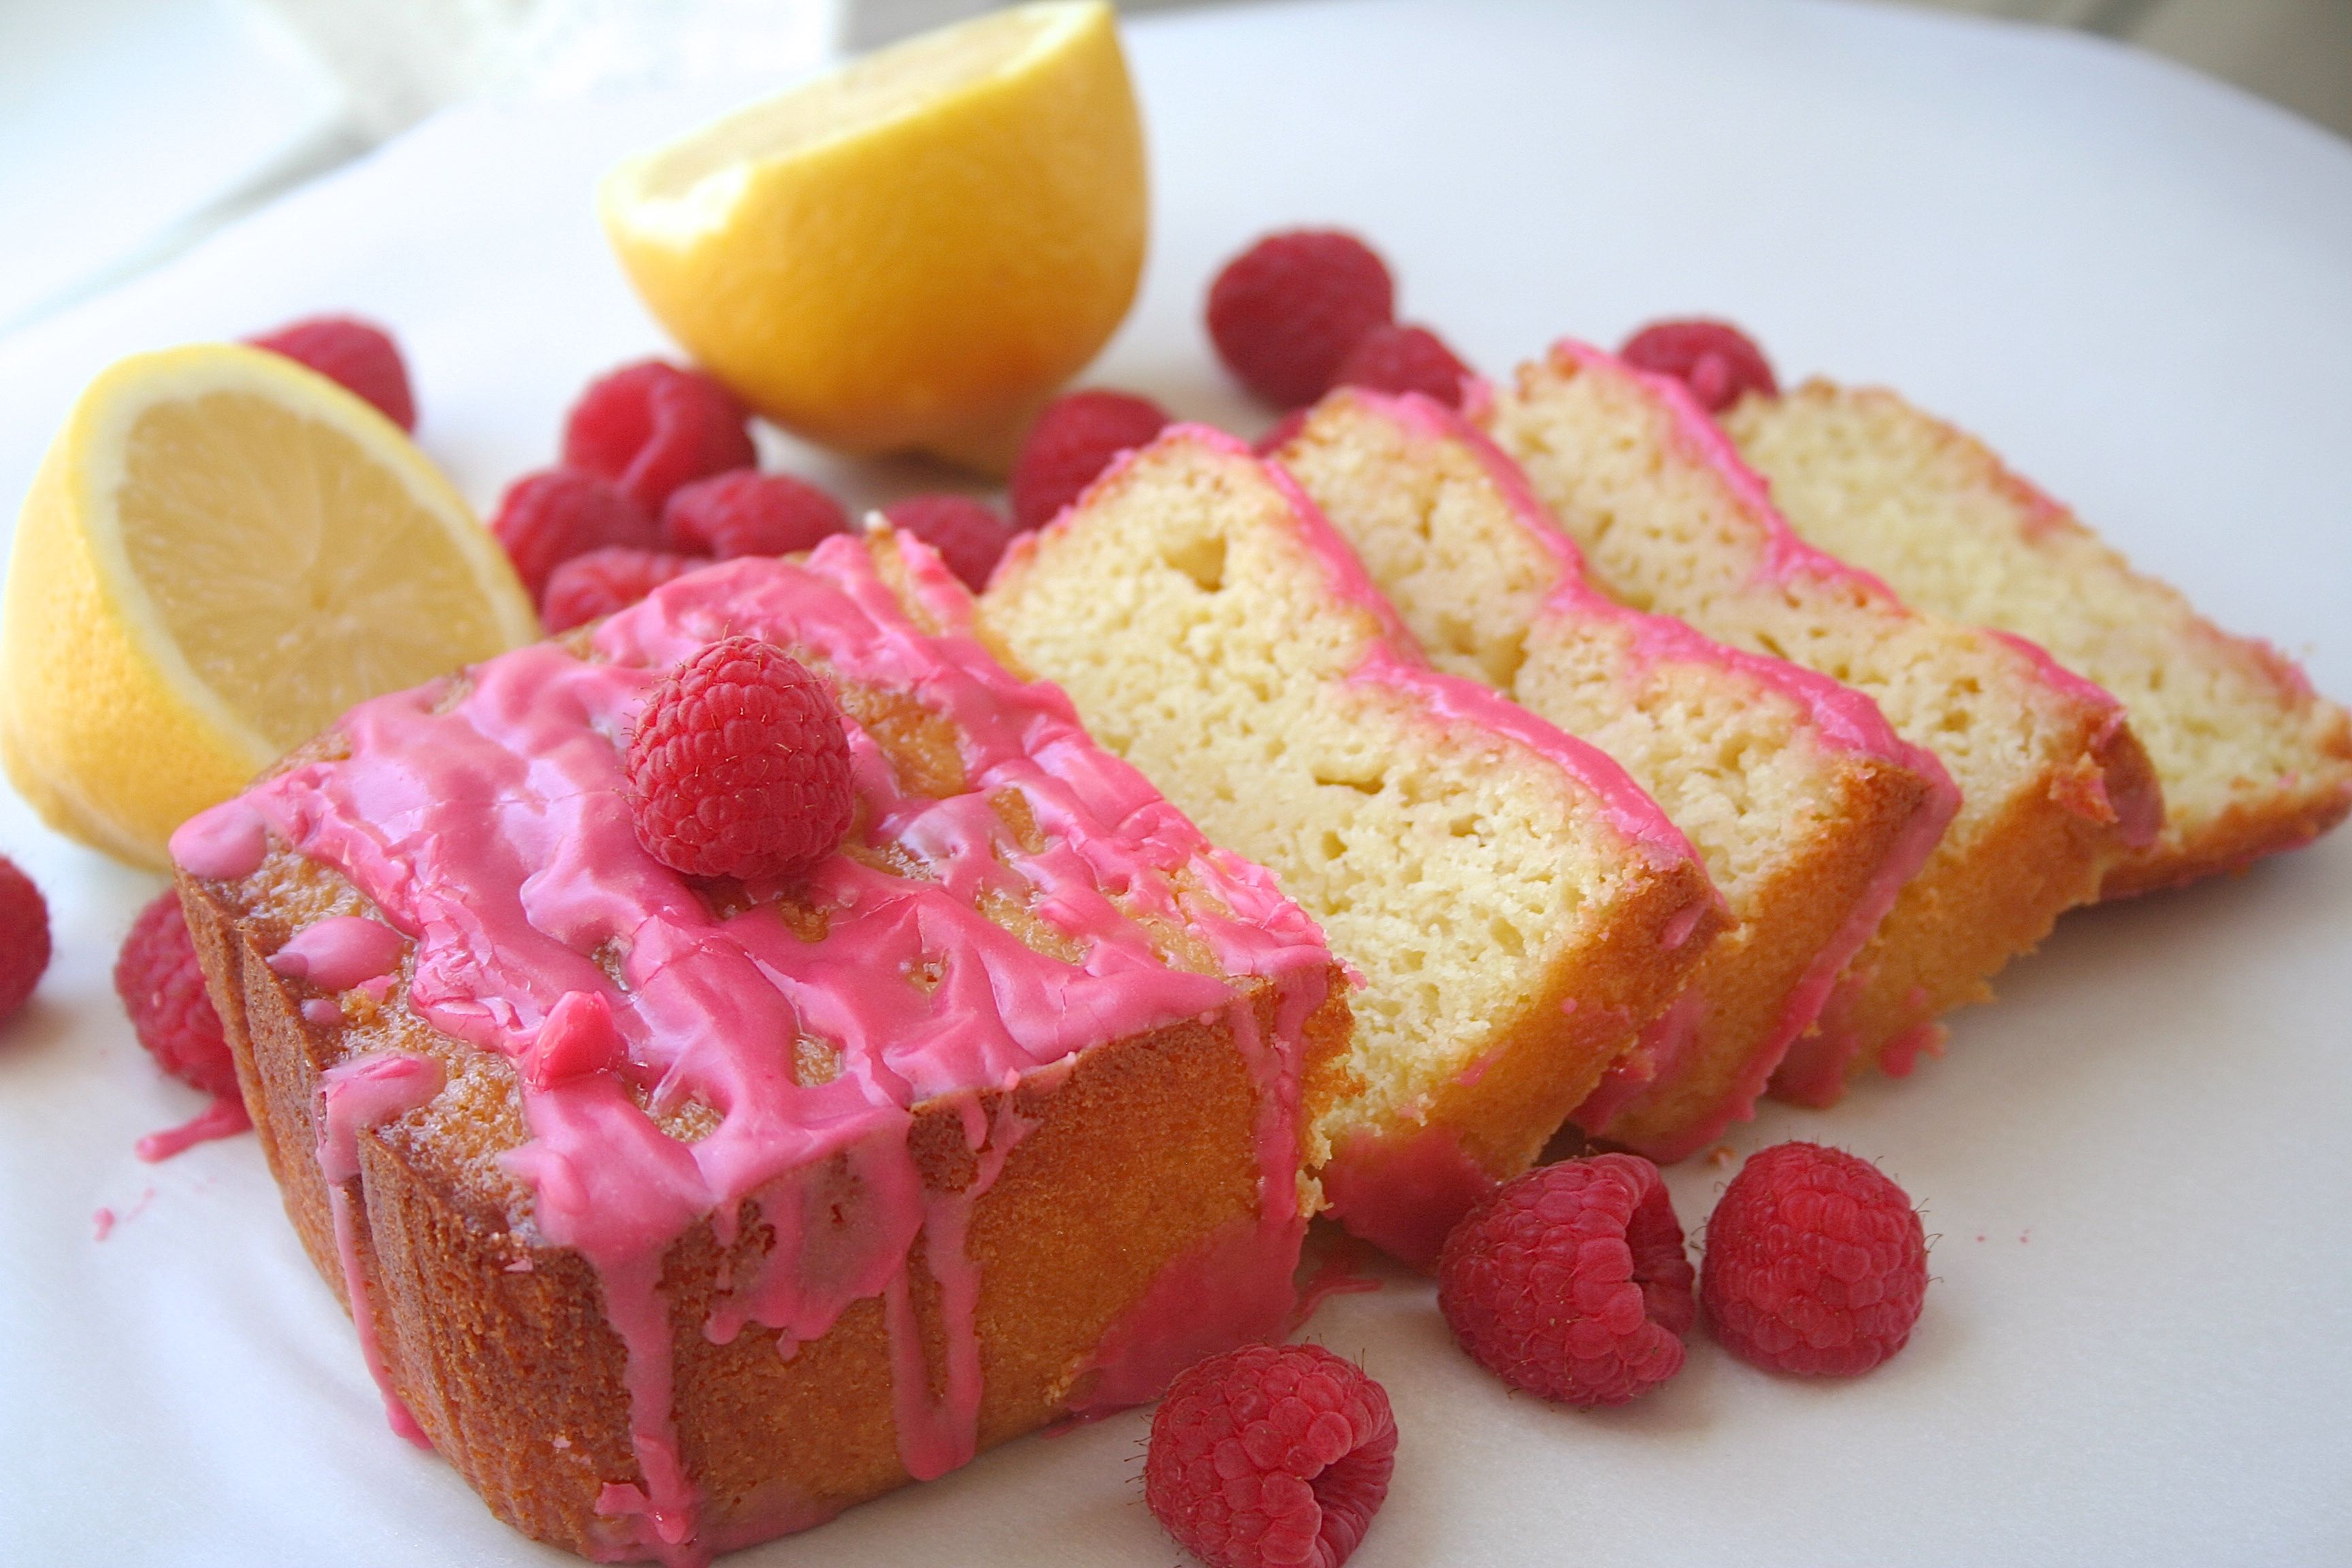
{"x":2137,"y":284}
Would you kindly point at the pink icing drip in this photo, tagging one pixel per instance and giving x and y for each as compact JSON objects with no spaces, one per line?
{"x":1786,"y":554}
{"x":224,"y":1117}
{"x":222,"y":842}
{"x":362,"y":1092}
{"x":338,"y":953}
{"x":496,"y":834}
{"x":1232,"y":1289}
{"x":1404,"y":1194}
{"x":1623,"y":803}
{"x":1662,"y":1050}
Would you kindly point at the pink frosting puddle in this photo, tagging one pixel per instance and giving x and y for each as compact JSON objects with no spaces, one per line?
{"x":1404,"y":1194}
{"x":224,"y":1117}
{"x":493,"y":832}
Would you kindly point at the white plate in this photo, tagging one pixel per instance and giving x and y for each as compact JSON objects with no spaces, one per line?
{"x":2136,"y":283}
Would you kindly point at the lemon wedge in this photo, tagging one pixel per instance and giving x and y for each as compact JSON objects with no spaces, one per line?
{"x":222,"y":551}
{"x":912,"y":252}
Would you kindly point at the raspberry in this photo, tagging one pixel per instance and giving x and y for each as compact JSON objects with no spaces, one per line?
{"x":1716,"y":359}
{"x":746,"y":512}
{"x":650,"y":427}
{"x":1571,"y":1282}
{"x":357,"y":355}
{"x":1405,"y":359}
{"x":23,"y":937}
{"x":547,"y":518}
{"x":740,"y":766}
{"x":1815,"y":1263}
{"x":588,"y":587}
{"x":1270,"y":1453}
{"x":1285,"y":311}
{"x":162,"y":989}
{"x":1072,"y":442}
{"x":968,"y":534}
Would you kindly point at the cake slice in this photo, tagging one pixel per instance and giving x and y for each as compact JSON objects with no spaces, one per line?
{"x":678,"y":1213}
{"x":1517,"y":907}
{"x":1810,"y":813}
{"x":2251,"y":760}
{"x":2054,"y":785}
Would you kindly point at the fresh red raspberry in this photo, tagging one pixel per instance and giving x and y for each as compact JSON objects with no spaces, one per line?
{"x":162,"y":989}
{"x":23,"y":937}
{"x":1270,"y":1455}
{"x":547,"y":518}
{"x":1815,"y":1263}
{"x":589,"y":587}
{"x":740,"y":766}
{"x":357,"y":355}
{"x":650,"y":427}
{"x":1570,"y":1281}
{"x":746,"y":512}
{"x":1716,"y":359}
{"x":968,"y":534}
{"x":1074,"y":441}
{"x":1405,"y":359}
{"x":1285,"y":311}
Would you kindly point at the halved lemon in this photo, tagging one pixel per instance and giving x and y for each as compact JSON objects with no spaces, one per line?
{"x":913,"y":251}
{"x":221,"y":552}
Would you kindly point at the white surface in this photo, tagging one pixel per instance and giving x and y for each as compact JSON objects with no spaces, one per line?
{"x":2137,"y":284}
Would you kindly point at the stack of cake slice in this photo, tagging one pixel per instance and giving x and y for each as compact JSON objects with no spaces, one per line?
{"x":2253,"y":761}
{"x":680,"y":1212}
{"x":1810,"y":813}
{"x":1517,"y":907}
{"x":2055,"y":789}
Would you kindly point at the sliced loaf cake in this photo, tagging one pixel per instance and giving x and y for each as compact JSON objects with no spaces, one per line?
{"x":1810,"y":811}
{"x":2253,"y":761}
{"x":1517,"y":909}
{"x":2055,"y":787}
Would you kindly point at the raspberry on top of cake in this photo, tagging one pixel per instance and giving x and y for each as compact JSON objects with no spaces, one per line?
{"x":762,"y":1196}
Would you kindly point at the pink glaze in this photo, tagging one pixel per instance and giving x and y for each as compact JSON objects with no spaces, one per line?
{"x":1691,"y":428}
{"x":1223,"y":1293}
{"x":224,"y":1117}
{"x":224,"y":843}
{"x":1405,"y":1193}
{"x":1843,"y":719}
{"x":364,"y":1092}
{"x":495,"y":836}
{"x":338,"y":953}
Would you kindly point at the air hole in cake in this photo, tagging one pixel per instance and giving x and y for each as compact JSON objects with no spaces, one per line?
{"x":1334,"y":846}
{"x":1202,"y":559}
{"x":1463,"y":827}
{"x":1506,"y":937}
{"x":1372,"y":785}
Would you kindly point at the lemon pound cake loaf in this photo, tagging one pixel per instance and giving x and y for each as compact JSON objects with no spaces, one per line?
{"x":2251,"y":760}
{"x":1517,"y":907}
{"x":2054,"y":785}
{"x":1810,"y":813}
{"x":680,"y":1211}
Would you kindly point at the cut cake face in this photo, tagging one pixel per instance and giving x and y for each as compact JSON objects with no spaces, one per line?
{"x":1810,"y":811}
{"x":1517,"y":907}
{"x":2055,"y":787}
{"x":2253,"y":761}
{"x":762,"y":1199}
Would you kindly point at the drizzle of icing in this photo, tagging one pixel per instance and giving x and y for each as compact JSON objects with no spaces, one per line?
{"x":225,"y":842}
{"x":1404,"y":1193}
{"x":362,"y":1092}
{"x":224,"y":1117}
{"x":338,"y":953}
{"x":493,"y":831}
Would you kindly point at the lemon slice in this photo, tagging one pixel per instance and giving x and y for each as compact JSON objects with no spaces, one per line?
{"x":221,"y":552}
{"x":913,"y":251}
